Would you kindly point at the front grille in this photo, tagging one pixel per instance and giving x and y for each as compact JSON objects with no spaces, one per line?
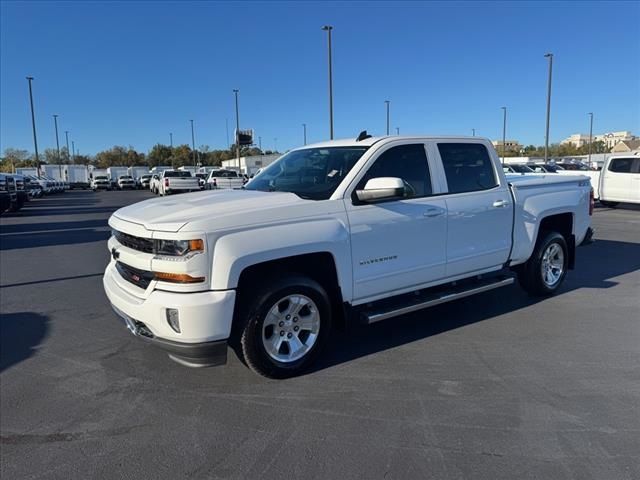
{"x":136,"y":243}
{"x":140,"y":278}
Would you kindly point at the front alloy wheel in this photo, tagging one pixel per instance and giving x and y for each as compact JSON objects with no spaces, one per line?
{"x":284,"y":326}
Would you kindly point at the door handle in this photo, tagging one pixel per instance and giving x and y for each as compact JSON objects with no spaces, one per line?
{"x":433,"y":212}
{"x":500,"y":203}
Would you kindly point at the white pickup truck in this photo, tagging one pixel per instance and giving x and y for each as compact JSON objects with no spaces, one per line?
{"x":364,"y":229}
{"x":221,"y":178}
{"x":177,"y":181}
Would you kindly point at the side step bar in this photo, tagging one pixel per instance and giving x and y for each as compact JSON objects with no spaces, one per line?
{"x":418,"y":302}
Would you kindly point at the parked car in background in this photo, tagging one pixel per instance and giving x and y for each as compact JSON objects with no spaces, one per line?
{"x":144,"y":181}
{"x":573,"y":166}
{"x":202,"y":180}
{"x":619,"y":181}
{"x":22,"y":194}
{"x":544,"y":168}
{"x":224,"y":179}
{"x":177,"y":181}
{"x":516,"y":168}
{"x":100,"y":182}
{"x":5,"y":195}
{"x":126,"y":182}
{"x":154,"y":183}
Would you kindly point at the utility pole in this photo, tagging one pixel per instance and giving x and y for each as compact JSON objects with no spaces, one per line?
{"x":193,"y":144}
{"x":66,"y":134}
{"x":397,"y":131}
{"x":473,"y":130}
{"x":171,"y":140}
{"x":275,"y":145}
{"x":33,"y":124}
{"x":387,"y":103}
{"x":55,"y":122}
{"x":590,"y":135}
{"x":304,"y":126}
{"x":73,"y":151}
{"x":328,"y":29}
{"x":504,"y":133}
{"x":546,"y":136}
{"x":237,"y":129}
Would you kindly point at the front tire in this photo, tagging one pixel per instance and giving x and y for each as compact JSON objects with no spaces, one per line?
{"x":285,"y":326}
{"x":547,"y":267}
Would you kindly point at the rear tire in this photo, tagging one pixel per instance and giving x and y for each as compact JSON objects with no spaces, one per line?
{"x":546,"y":269}
{"x":284,"y":326}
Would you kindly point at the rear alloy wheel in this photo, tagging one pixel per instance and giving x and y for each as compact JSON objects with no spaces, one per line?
{"x":545,"y":270}
{"x":285,"y":327}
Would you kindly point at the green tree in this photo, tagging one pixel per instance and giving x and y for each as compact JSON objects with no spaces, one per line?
{"x":159,"y":155}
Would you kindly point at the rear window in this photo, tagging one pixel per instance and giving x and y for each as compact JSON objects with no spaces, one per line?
{"x":621,"y":165}
{"x":467,"y":166}
{"x":224,"y":174}
{"x":179,"y":174}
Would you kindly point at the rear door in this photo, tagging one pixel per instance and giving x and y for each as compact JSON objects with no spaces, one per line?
{"x":479,"y":208}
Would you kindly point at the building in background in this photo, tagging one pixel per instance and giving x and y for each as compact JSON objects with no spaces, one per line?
{"x":610,"y":139}
{"x":510,"y":146}
{"x":627,"y":146}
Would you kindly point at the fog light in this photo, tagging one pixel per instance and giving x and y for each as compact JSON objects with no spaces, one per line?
{"x":173,"y":319}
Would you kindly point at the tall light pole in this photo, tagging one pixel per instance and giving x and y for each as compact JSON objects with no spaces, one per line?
{"x":504,"y":133}
{"x":171,"y":140}
{"x":473,"y":131}
{"x":275,"y":145}
{"x":387,"y":102}
{"x":304,"y":129}
{"x":73,"y":151}
{"x":55,"y":122}
{"x":328,"y":29}
{"x":397,"y":130}
{"x":193,"y":144}
{"x":33,"y":125}
{"x":235,"y":91}
{"x":260,"y":144}
{"x":590,"y":135}
{"x":66,"y":134}
{"x":546,"y":136}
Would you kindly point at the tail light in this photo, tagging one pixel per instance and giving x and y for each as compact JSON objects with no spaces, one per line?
{"x":166,"y":182}
{"x":592,"y":202}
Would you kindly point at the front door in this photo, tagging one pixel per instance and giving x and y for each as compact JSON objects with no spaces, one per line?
{"x":398,"y":244}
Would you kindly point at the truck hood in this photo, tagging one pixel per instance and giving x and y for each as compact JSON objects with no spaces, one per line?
{"x":170,"y":214}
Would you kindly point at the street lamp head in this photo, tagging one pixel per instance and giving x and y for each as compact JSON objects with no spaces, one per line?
{"x":55,"y":116}
{"x":235,"y":90}
{"x":327,"y":27}
{"x":548,"y":55}
{"x":29,"y":78}
{"x":503,"y":108}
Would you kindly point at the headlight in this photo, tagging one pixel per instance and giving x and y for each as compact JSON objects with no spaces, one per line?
{"x":178,"y":248}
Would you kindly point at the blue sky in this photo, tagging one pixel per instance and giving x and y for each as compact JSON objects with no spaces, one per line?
{"x":129,"y":73}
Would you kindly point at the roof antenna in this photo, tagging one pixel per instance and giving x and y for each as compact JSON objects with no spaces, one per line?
{"x":363,"y":136}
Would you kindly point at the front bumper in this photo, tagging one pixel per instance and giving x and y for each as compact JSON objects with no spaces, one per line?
{"x":205,"y":319}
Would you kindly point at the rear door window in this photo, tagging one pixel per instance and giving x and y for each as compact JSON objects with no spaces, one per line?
{"x":621,"y":165}
{"x":467,"y":166}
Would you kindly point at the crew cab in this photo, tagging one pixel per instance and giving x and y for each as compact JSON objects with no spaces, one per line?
{"x":177,"y":181}
{"x":126,"y":182}
{"x":220,"y":179}
{"x":348,"y":230}
{"x":619,"y":181}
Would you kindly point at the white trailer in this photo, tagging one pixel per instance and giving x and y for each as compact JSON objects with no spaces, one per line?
{"x":77,"y":176}
{"x":159,"y":169}
{"x":27,"y":171}
{"x":53,"y":171}
{"x":114,"y":173}
{"x":137,"y":172}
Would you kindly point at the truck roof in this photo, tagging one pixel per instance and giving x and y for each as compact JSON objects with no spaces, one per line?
{"x":367,"y":142}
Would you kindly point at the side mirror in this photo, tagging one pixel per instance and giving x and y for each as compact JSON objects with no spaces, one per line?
{"x":381,"y":188}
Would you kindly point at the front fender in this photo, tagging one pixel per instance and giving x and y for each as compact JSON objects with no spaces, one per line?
{"x":236,"y":251}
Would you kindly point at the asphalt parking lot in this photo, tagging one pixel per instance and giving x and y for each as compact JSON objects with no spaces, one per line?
{"x":494,"y":386}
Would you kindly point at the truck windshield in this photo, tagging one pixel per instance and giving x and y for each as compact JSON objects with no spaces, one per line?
{"x":101,"y":178}
{"x":178,"y":173}
{"x":311,"y":173}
